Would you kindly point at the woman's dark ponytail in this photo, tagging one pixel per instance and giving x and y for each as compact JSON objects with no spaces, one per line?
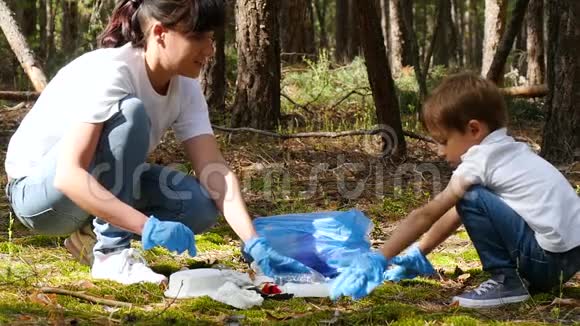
{"x":186,"y":16}
{"x":123,"y":26}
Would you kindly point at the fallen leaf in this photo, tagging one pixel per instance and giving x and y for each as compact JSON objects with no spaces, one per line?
{"x":566,"y":302}
{"x":463,"y":277}
{"x":43,"y":298}
{"x":84,"y":284}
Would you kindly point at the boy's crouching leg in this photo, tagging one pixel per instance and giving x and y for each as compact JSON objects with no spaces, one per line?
{"x":494,"y":229}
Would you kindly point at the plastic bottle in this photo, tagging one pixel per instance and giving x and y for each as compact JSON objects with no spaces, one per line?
{"x":313,"y":290}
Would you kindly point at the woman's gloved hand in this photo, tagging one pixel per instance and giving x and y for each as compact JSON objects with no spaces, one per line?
{"x":271,"y":262}
{"x":174,"y":236}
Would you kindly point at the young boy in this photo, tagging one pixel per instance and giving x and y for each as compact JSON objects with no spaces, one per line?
{"x":521,"y":214}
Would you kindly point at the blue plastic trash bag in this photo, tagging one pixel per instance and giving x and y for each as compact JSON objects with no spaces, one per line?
{"x":317,"y":239}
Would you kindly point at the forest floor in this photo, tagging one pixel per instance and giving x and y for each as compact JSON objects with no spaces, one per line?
{"x":276,"y":179}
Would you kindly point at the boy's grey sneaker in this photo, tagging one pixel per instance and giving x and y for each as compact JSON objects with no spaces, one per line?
{"x":80,"y":244}
{"x":496,"y":291}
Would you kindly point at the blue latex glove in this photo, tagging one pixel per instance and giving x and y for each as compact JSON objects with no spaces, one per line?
{"x":174,"y":236}
{"x":271,"y":262}
{"x":360,"y":276}
{"x":410,"y":265}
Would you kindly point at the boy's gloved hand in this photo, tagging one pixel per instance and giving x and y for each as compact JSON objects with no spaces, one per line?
{"x":174,"y":236}
{"x":271,"y":262}
{"x":360,"y":276}
{"x":410,"y":265}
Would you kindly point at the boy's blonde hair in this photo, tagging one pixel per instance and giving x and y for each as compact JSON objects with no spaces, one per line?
{"x":463,"y":97}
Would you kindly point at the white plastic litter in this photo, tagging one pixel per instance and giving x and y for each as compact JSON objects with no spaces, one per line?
{"x":299,"y":290}
{"x":221,"y":285}
{"x":234,"y":296}
{"x":194,"y":283}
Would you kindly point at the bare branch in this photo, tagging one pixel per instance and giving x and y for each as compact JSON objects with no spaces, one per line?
{"x":322,"y":134}
{"x":87,"y":297}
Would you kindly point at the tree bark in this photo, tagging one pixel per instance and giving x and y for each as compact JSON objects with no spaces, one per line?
{"x":535,"y":42}
{"x":21,"y":49}
{"x":379,"y":75}
{"x":396,"y":36}
{"x":496,"y":68}
{"x":354,"y":38}
{"x":561,"y":141}
{"x":70,"y":23}
{"x":296,"y":30}
{"x":495,"y":16}
{"x":384,"y":6}
{"x":321,"y":8}
{"x":445,"y":47}
{"x":213,"y":77}
{"x":341,"y":33}
{"x":50,"y":24}
{"x":257,"y":102}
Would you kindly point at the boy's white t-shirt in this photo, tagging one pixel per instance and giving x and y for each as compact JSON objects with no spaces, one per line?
{"x":89,"y":90}
{"x":530,"y":185}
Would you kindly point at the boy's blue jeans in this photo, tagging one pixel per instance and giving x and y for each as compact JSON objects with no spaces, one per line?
{"x":506,"y":244}
{"x":119,"y":166}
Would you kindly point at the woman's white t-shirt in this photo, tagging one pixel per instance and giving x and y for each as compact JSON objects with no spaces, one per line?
{"x":89,"y":90}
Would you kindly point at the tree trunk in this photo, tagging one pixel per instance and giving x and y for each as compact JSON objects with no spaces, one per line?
{"x":495,"y":16}
{"x":384,"y":6}
{"x":520,"y":49}
{"x":354,"y":38}
{"x":341,"y":34}
{"x":21,"y":49}
{"x":396,"y":36}
{"x":42,"y":24}
{"x":70,"y":22}
{"x":213,"y":77}
{"x":296,"y":30}
{"x":379,"y":75}
{"x":561,"y":141}
{"x":50,"y":24}
{"x":321,"y":8}
{"x":496,"y":68}
{"x":257,"y":102}
{"x":407,"y":10}
{"x":444,"y":49}
{"x":457,"y":30}
{"x":535,"y":42}
{"x":468,"y":34}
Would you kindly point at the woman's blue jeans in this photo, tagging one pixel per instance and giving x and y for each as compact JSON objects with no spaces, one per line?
{"x":119,"y":166}
{"x":507,"y":245}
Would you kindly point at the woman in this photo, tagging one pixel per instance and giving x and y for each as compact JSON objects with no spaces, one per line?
{"x":80,"y":152}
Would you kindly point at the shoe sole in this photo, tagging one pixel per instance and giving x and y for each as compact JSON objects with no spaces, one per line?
{"x":492,"y":303}
{"x":76,"y":252}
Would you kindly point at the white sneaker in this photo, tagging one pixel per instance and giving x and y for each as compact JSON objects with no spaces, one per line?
{"x":126,"y":266}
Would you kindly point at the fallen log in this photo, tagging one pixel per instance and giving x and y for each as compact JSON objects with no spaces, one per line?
{"x":526,"y":91}
{"x":19,"y":96}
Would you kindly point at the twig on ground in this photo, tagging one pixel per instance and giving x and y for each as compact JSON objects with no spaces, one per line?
{"x":355,"y":91}
{"x":322,"y":134}
{"x":303,"y":107}
{"x":87,"y":297}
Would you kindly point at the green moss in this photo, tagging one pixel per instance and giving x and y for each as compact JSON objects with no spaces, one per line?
{"x":460,"y":320}
{"x":462,"y":235}
{"x":139,"y":294}
{"x":10,"y":248}
{"x":470,"y":255}
{"x":443,"y":260}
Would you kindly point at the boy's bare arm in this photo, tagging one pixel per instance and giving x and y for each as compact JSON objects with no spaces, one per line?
{"x":422,"y":219}
{"x":440,"y":231}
